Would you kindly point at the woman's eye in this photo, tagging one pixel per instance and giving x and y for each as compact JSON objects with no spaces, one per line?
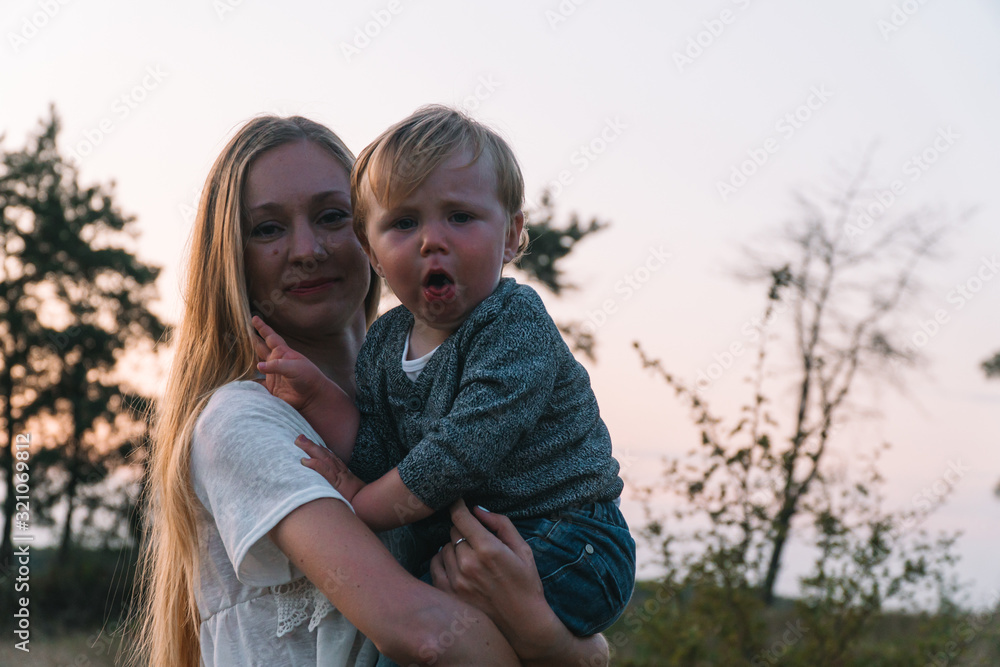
{"x":461,"y":217}
{"x":406,"y":223}
{"x":265,"y":230}
{"x":333,"y":217}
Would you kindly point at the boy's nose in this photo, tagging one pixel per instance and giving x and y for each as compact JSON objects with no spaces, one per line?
{"x":434,"y":239}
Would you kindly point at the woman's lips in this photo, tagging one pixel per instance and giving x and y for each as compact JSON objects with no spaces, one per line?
{"x":311,"y":286}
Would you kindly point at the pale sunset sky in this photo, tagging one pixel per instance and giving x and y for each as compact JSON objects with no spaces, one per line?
{"x":635,"y":113}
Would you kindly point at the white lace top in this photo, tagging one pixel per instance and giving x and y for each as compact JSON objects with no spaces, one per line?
{"x":256,"y":607}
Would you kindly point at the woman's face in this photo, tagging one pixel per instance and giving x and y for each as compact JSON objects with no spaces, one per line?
{"x":306,"y":272}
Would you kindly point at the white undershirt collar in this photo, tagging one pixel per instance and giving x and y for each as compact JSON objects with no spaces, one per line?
{"x":412,"y":367}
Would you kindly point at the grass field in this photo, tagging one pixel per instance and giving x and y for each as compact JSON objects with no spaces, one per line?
{"x":75,"y":649}
{"x":888,"y":640}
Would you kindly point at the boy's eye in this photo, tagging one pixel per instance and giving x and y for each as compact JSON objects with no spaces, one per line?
{"x":461,"y":217}
{"x":266,"y":230}
{"x":405,"y":223}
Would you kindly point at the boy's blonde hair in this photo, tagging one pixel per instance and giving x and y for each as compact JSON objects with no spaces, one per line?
{"x":394,"y":165}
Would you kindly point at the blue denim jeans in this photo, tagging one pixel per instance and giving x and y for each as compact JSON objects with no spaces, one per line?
{"x":586,"y":559}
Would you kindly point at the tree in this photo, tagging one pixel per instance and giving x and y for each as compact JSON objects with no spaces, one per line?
{"x":549,"y":244}
{"x":992,"y":366}
{"x":74,"y":299}
{"x":760,"y":478}
{"x":992,"y":369}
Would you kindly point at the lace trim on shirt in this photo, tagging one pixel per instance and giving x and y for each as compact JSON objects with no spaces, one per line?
{"x":294,"y":600}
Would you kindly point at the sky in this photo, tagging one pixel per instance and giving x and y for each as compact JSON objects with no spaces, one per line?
{"x":688,"y":126}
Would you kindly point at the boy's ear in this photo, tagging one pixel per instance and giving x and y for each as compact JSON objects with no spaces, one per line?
{"x":373,"y":260}
{"x":513,"y":240}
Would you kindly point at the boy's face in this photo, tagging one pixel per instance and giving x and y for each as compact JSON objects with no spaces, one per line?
{"x":442,"y":248}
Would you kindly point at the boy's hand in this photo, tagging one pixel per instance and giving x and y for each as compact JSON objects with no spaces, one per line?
{"x":294,"y":379}
{"x":288,"y":375}
{"x":335,"y":471}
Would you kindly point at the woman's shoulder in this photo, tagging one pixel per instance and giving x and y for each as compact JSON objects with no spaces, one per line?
{"x":241,"y":426}
{"x":239,"y":397}
{"x":234,"y":392}
{"x":244,"y":406}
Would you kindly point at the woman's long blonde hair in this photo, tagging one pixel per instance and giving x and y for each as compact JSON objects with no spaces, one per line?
{"x":213,"y":346}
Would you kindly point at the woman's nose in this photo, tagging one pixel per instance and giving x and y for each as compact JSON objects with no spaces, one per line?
{"x":434,"y":238}
{"x":306,"y":244}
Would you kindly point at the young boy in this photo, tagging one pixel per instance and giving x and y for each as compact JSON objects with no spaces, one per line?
{"x":467,"y":389}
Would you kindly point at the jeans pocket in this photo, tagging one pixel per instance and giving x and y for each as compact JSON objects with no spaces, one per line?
{"x":587,"y":571}
{"x":535,"y":529}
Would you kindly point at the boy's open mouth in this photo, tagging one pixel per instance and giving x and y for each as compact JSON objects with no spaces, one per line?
{"x":438,"y":286}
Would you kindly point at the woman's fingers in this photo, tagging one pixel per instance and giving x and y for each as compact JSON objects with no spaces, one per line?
{"x":450,"y":563}
{"x":480,"y":535}
{"x":439,"y":576}
{"x":501,"y":526}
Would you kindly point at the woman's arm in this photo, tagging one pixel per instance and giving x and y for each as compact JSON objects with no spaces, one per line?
{"x":497,"y":574}
{"x":407,"y":620}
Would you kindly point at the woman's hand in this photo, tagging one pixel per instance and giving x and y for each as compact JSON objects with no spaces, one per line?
{"x":489,"y":565}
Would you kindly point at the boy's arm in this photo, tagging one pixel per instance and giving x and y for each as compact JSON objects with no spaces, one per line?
{"x":335,"y":417}
{"x":384,"y":504}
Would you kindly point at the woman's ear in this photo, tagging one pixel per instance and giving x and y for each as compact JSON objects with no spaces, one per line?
{"x":512,"y":242}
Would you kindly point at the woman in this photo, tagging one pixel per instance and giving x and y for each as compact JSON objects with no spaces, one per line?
{"x":236,"y":521}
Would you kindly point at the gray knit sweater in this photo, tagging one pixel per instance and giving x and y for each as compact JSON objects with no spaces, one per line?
{"x":502,"y":414}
